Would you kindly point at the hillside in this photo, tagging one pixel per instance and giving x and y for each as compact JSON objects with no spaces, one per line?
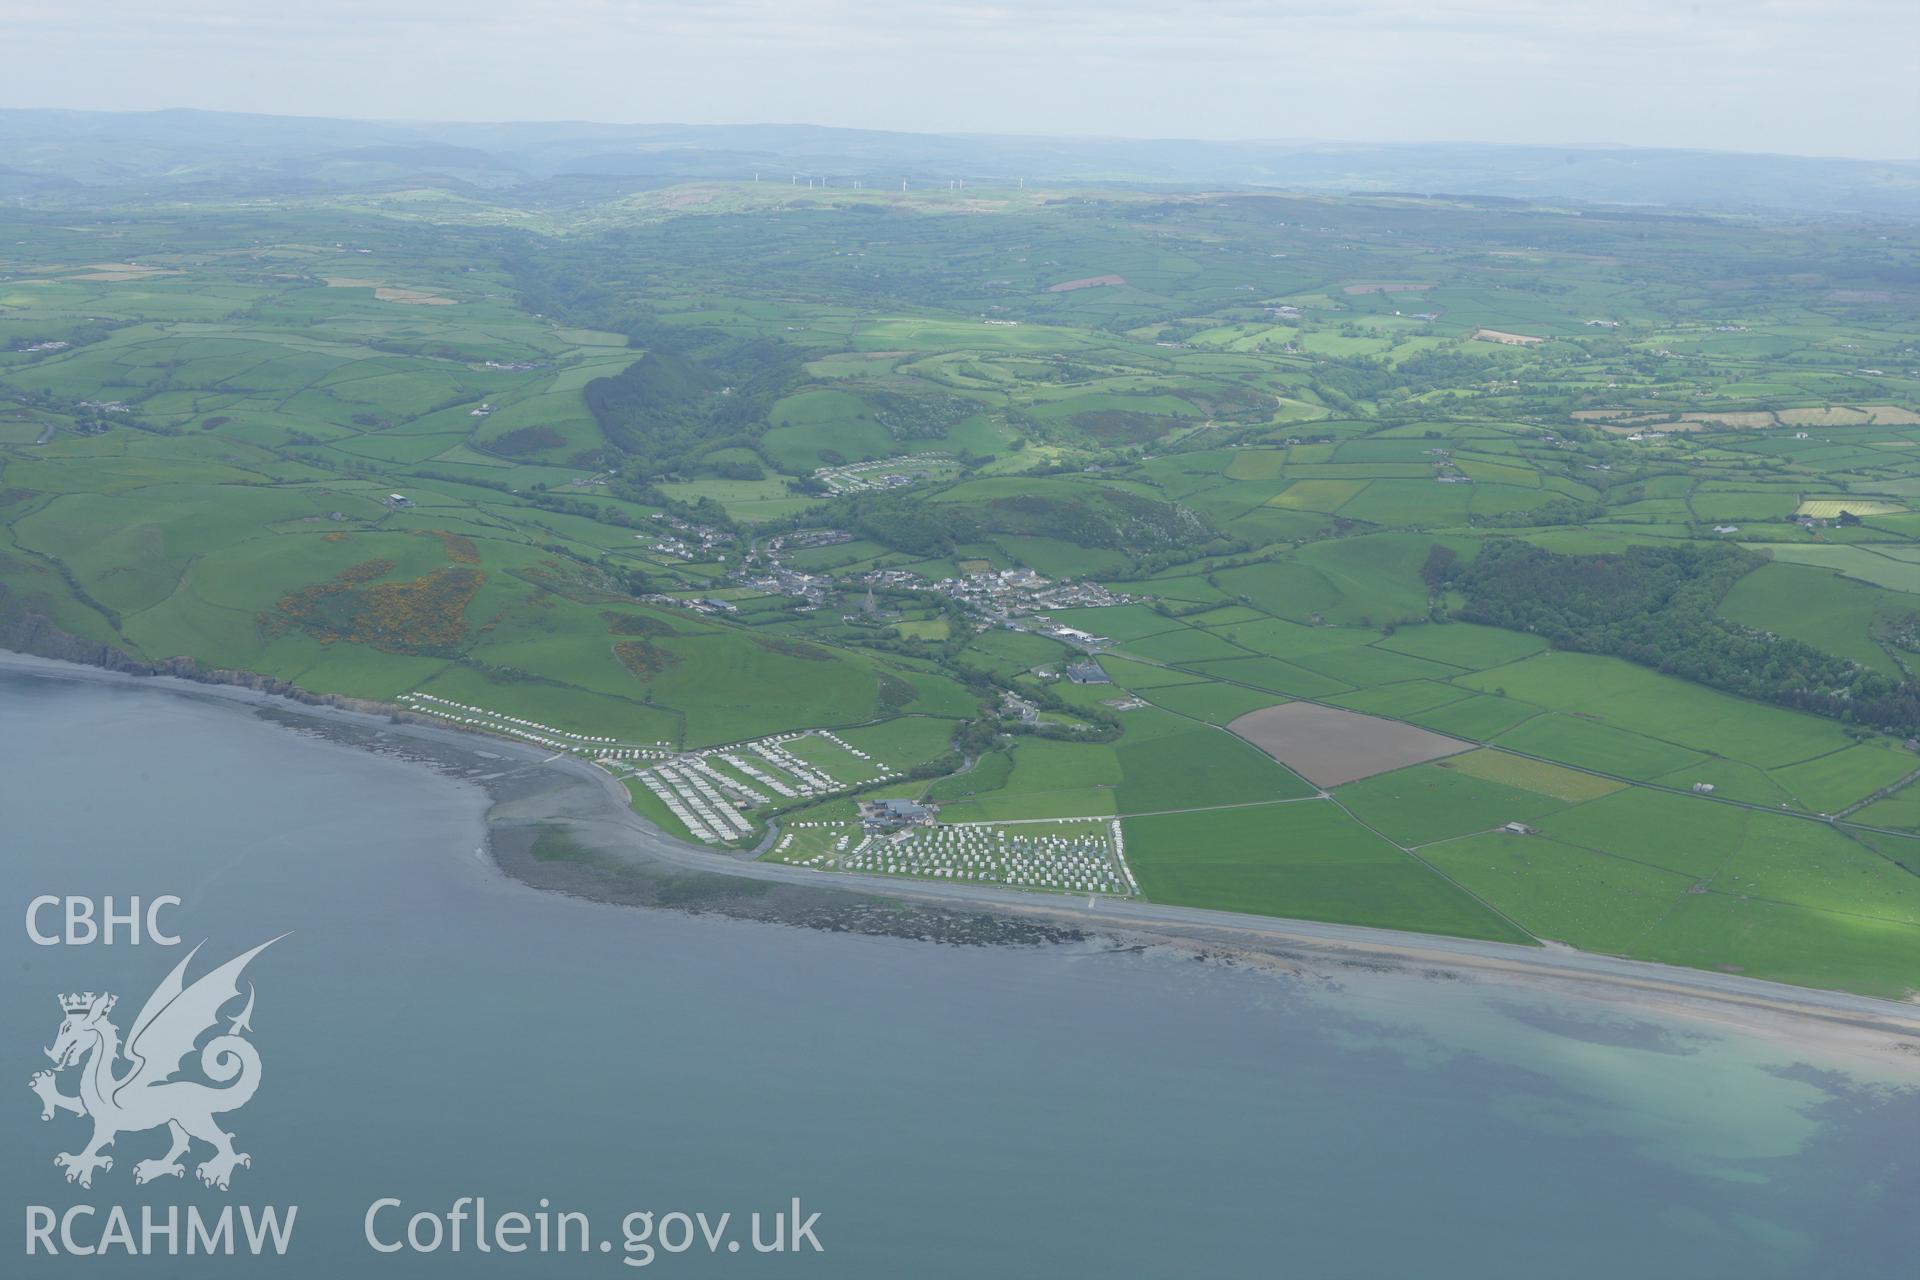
{"x":1456,"y":566}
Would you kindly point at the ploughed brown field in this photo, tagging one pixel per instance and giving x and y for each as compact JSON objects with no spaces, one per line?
{"x":1328,"y":746}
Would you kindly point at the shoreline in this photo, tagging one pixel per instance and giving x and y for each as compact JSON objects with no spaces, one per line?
{"x":627,"y":861}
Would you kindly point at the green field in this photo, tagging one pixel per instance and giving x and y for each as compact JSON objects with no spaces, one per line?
{"x":716,"y":467}
{"x":1306,"y":859}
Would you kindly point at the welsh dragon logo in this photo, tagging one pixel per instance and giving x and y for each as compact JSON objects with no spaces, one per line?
{"x":145,"y":1095}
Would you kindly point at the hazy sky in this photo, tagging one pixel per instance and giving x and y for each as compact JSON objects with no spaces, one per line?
{"x":1829,"y":77}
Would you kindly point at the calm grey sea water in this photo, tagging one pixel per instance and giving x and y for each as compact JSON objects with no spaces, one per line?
{"x":431,"y":1030}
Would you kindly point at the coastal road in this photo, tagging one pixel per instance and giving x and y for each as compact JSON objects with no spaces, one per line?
{"x":1593,"y":975}
{"x":1227,"y":928}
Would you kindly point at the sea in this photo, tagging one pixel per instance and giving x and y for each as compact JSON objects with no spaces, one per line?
{"x":432,"y":1034}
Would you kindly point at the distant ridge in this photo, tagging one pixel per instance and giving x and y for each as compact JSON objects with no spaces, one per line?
{"x":43,"y":151}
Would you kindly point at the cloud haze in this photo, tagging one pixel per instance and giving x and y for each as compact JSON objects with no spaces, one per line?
{"x":1826,"y":77}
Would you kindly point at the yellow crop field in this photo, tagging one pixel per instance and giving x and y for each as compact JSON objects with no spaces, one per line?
{"x":1533,"y":775}
{"x":1830,"y":508}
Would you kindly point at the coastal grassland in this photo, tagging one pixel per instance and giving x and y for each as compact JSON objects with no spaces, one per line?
{"x":1426,"y":803}
{"x":1787,"y":943}
{"x":729,"y":688}
{"x":1049,"y":779}
{"x":1477,"y":791}
{"x":1306,"y":860}
{"x":1176,"y":764}
{"x":1687,"y":834}
{"x":1812,"y":865}
{"x":990,"y":772}
{"x":904,"y":742}
{"x":552,"y":702}
{"x":723,"y":684}
{"x":1685,"y":880}
{"x":835,"y":761}
{"x":1561,"y":892}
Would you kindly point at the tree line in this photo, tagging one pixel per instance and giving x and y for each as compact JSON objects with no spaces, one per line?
{"x":1658,"y":606}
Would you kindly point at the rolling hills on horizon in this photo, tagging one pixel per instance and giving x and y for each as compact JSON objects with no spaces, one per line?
{"x":51,"y":154}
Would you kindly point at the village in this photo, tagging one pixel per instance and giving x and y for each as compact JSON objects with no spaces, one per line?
{"x":763,"y":570}
{"x":1014,"y":599}
{"x":1004,"y":596}
{"x":686,"y":540}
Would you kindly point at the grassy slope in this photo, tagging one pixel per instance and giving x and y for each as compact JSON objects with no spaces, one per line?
{"x":278,"y":412}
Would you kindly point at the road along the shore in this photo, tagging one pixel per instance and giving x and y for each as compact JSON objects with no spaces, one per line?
{"x":1751,"y":1002}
